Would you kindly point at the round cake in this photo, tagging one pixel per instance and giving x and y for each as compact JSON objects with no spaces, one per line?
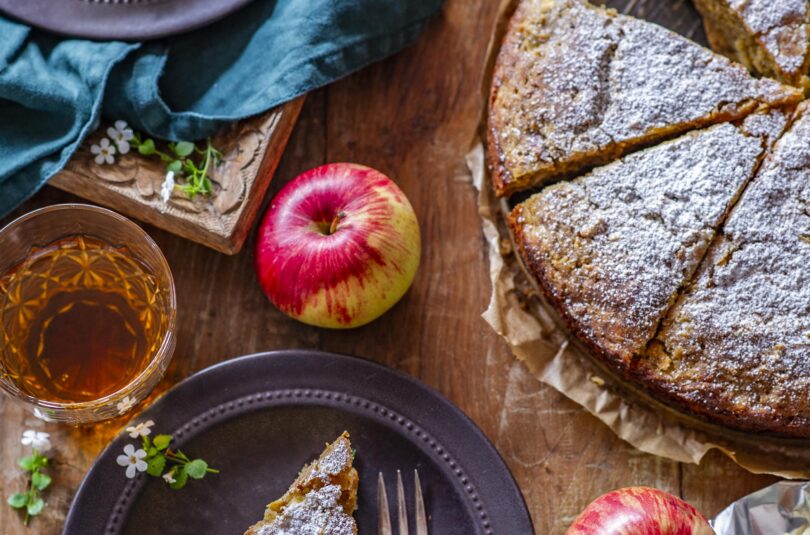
{"x":673,"y":224}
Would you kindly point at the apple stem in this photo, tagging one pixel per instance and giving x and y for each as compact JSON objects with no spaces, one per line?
{"x":335,"y":222}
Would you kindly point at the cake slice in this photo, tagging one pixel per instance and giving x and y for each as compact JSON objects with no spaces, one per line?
{"x":612,"y":249}
{"x":770,"y":37}
{"x":576,"y":85}
{"x":320,"y":501}
{"x":736,"y":347}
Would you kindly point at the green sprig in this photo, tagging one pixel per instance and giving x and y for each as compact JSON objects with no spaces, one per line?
{"x":162,"y":460}
{"x":30,"y":501}
{"x":195,"y":177}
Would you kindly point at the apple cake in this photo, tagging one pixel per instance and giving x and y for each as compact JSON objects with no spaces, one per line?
{"x":681,"y":262}
{"x":576,"y":85}
{"x":770,"y":37}
{"x":736,"y":346}
{"x":320,"y":501}
{"x":612,"y":248}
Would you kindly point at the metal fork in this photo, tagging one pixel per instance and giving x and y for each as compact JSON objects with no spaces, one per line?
{"x":384,"y":517}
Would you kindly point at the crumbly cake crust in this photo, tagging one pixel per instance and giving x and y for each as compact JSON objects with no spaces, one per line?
{"x":736,"y":347}
{"x":320,"y":501}
{"x":770,"y":37}
{"x":612,"y":248}
{"x":576,"y":85}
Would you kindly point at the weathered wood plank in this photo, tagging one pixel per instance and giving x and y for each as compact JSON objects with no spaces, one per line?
{"x":412,"y":116}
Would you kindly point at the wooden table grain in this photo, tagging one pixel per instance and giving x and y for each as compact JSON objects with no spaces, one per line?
{"x":412,"y":116}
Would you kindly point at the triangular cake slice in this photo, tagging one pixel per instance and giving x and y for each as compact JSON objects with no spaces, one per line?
{"x":612,"y":249}
{"x":736,"y":347}
{"x":320,"y":501}
{"x":576,"y":85}
{"x":770,"y":37}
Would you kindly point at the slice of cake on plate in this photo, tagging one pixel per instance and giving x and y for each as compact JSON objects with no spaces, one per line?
{"x":576,"y":85}
{"x":320,"y":501}
{"x":612,"y":249}
{"x":736,"y":347}
{"x":770,"y":37}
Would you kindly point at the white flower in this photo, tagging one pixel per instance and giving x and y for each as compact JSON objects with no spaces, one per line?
{"x":133,"y":460}
{"x":168,"y":477}
{"x":140,"y":430}
{"x":125,"y":404}
{"x":105,"y":153}
{"x":167,"y":187}
{"x":36,"y":439}
{"x":120,"y":133}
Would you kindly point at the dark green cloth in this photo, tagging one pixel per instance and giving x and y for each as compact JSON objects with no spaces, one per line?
{"x":53,"y":90}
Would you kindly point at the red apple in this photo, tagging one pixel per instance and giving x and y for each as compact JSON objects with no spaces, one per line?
{"x":338,"y":246}
{"x":639,"y":511}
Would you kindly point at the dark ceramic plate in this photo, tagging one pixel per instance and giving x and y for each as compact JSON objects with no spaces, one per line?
{"x":119,"y":19}
{"x":260,"y":418}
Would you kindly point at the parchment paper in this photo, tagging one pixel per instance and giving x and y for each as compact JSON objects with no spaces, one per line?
{"x":537,"y":336}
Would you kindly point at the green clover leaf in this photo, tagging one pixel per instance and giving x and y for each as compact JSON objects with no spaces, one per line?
{"x":161,"y":442}
{"x":155,"y":465}
{"x":196,"y":469}
{"x":147,"y":148}
{"x":27,"y":463}
{"x":183,"y":148}
{"x":18,"y":500}
{"x":180,"y":478}
{"x":175,"y":166}
{"x":40,"y":481}
{"x":35,"y":506}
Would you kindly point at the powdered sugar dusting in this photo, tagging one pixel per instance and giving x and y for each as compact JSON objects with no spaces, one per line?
{"x":333,"y":461}
{"x":320,"y":513}
{"x":741,"y":335}
{"x":577,"y":81}
{"x":615,"y":246}
{"x":788,"y":46}
{"x":764,"y":15}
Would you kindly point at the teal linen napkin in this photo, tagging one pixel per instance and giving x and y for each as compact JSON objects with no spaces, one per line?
{"x":53,"y":90}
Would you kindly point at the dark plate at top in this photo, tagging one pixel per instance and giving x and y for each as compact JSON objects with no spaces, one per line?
{"x":119,"y":19}
{"x":260,"y":418}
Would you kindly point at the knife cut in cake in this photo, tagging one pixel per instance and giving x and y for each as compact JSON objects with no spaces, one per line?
{"x":770,"y":37}
{"x":736,"y":347}
{"x":576,"y":85}
{"x":612,"y":249}
{"x":320,"y":501}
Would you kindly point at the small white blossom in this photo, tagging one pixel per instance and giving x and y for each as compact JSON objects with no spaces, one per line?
{"x":168,"y":477}
{"x":133,"y":460}
{"x":120,"y":133}
{"x":125,"y":404}
{"x":167,"y":187}
{"x":140,"y":430}
{"x":36,"y":439}
{"x":105,"y":153}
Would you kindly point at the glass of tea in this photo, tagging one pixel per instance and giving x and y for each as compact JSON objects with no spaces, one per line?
{"x":87,"y":313}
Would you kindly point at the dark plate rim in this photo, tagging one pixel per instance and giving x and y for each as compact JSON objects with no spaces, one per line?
{"x":504,"y":506}
{"x":128,"y":20}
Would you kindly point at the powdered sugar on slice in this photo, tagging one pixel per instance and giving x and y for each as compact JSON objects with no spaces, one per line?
{"x":320,"y":513}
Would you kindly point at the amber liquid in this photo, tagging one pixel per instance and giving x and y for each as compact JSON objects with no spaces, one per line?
{"x":79,"y":320}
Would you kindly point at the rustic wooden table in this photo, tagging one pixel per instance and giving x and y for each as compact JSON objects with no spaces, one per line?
{"x":413,"y":117}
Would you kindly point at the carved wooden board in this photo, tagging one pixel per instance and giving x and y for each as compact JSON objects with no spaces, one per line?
{"x":251,"y":151}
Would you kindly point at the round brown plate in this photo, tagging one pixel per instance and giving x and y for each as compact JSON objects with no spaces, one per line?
{"x":259,"y":419}
{"x":119,"y":19}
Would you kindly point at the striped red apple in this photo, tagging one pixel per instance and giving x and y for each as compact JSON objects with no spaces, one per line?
{"x":639,"y":511}
{"x":338,"y":246}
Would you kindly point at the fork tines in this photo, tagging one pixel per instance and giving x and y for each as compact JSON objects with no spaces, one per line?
{"x":384,"y":516}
